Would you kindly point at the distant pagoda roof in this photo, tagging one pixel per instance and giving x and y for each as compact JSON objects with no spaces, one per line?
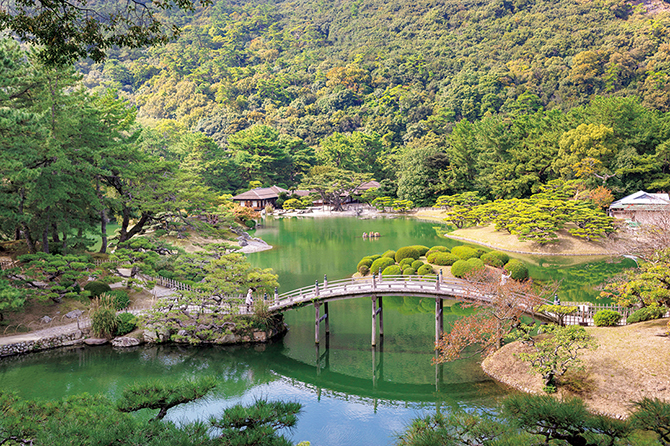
{"x":261,"y":193}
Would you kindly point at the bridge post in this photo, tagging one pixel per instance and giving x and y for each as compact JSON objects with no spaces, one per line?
{"x":325,"y":281}
{"x":439,"y":277}
{"x":316,"y":322}
{"x":439,"y":318}
{"x":276,"y":296}
{"x":316,"y":288}
{"x":374,"y":281}
{"x":380,"y":274}
{"x":381,"y":318}
{"x":327,"y":320}
{"x":374,"y":320}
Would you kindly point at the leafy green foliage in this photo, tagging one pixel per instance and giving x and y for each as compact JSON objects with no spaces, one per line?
{"x":606,"y":318}
{"x":382,"y":264}
{"x":407,"y":252}
{"x":442,"y":258}
{"x":496,"y":259}
{"x":557,"y":311}
{"x":159,"y":395}
{"x":364,"y":270}
{"x":127,"y":322}
{"x":408,"y":271}
{"x":464,"y":252}
{"x":96,"y":288}
{"x":422,"y":249}
{"x":462,"y":268}
{"x":556,"y":354}
{"x":516,"y":269}
{"x":367,"y":261}
{"x":652,"y":414}
{"x":11,"y":299}
{"x":393,"y":270}
{"x":121,"y":299}
{"x":647,"y":313}
{"x":417,"y":264}
{"x":104,"y":321}
{"x":425,"y":269}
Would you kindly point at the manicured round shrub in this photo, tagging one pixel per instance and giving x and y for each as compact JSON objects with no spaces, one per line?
{"x":417,"y":264}
{"x":443,"y":259}
{"x":425,"y":269}
{"x":492,"y":260}
{"x":422,"y":249}
{"x":375,"y":257}
{"x":367,"y":261}
{"x":464,"y":252}
{"x":364,"y":270}
{"x":407,"y":252}
{"x":96,"y":288}
{"x":383,"y":263}
{"x":646,"y":314}
{"x":495,"y":258}
{"x":606,"y":318}
{"x":460,"y":268}
{"x":127,"y":322}
{"x":390,"y":253}
{"x":406,"y":262}
{"x":516,"y":269}
{"x":437,"y":249}
{"x":121,"y":299}
{"x":409,"y":271}
{"x":476,"y":264}
{"x":393,"y":270}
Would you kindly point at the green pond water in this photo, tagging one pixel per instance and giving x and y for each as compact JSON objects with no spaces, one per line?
{"x":352,"y":394}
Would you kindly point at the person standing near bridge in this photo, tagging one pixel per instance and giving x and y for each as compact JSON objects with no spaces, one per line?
{"x":249,"y":300}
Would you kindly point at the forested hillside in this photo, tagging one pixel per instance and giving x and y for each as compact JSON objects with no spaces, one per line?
{"x":494,"y":95}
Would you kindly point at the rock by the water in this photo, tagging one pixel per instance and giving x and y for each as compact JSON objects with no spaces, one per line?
{"x":125,"y":341}
{"x":95,"y":341}
{"x":46,"y":319}
{"x":74,"y":314}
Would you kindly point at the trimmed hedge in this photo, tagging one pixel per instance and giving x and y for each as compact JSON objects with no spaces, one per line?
{"x":464,"y":252}
{"x":393,"y":270}
{"x":406,"y":262}
{"x":364,"y":270}
{"x":462,"y":268}
{"x":367,"y":261}
{"x":96,"y":288}
{"x":409,"y":271}
{"x":375,"y":257}
{"x":496,"y":259}
{"x":516,"y":269}
{"x":390,"y":253}
{"x":383,"y":263}
{"x":417,"y":264}
{"x":425,"y":269}
{"x":437,"y":249}
{"x":646,"y":314}
{"x":422,"y":249}
{"x":606,"y":318}
{"x":407,"y":252}
{"x":443,"y":258}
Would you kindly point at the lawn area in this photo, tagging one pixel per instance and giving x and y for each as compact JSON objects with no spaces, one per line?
{"x":631,"y":362}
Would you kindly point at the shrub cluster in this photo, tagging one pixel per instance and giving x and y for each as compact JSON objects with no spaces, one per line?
{"x":437,"y":249}
{"x":409,"y":271}
{"x":443,"y":258}
{"x":393,"y":270}
{"x":425,"y":269}
{"x":407,"y":252}
{"x":646,"y":314}
{"x":367,"y":261}
{"x":417,"y":264}
{"x":406,"y":262}
{"x":390,"y":253}
{"x":516,"y":269}
{"x":126,"y":323}
{"x":606,"y":318}
{"x":121,"y":299}
{"x":383,"y":263}
{"x":497,"y":259}
{"x":462,"y":268}
{"x":422,"y":249}
{"x":96,"y":288}
{"x":364,"y":270}
{"x":464,"y":252}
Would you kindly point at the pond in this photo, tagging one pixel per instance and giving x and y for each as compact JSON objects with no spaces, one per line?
{"x":352,"y":394}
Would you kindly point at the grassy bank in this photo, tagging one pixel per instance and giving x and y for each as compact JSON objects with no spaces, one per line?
{"x":631,"y":362}
{"x":487,"y":235}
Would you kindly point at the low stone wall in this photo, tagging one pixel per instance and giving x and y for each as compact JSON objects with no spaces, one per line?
{"x":45,"y":343}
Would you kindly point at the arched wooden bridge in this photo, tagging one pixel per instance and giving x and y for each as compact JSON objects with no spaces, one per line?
{"x":375,"y":287}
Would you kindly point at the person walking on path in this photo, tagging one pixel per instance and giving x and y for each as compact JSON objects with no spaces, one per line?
{"x":249,"y":300}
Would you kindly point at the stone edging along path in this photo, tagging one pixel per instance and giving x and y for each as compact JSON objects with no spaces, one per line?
{"x":488,"y":245}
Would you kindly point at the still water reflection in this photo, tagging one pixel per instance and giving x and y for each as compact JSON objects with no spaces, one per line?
{"x":352,"y":394}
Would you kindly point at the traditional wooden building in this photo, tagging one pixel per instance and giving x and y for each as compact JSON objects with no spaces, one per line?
{"x":640,"y":207}
{"x":260,"y":197}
